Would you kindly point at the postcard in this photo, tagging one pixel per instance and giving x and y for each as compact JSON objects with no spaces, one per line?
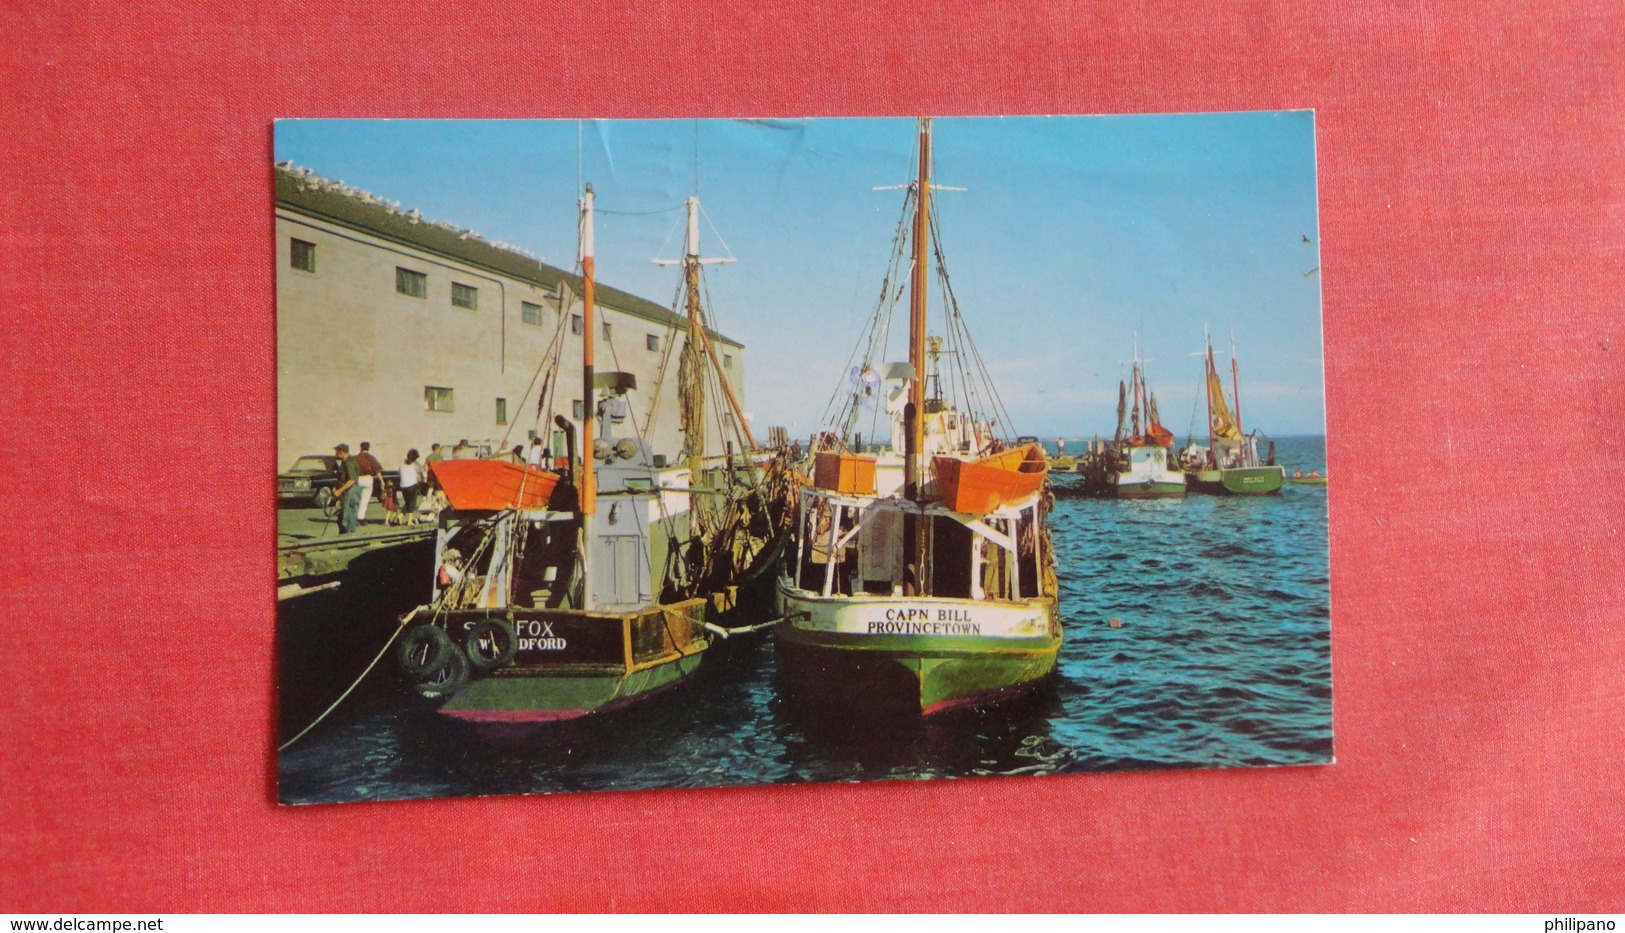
{"x":697,"y":453}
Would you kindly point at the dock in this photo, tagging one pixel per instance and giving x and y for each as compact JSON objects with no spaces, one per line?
{"x":312,"y":555}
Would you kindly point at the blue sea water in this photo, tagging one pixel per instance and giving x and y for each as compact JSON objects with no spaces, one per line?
{"x":1220,"y":657}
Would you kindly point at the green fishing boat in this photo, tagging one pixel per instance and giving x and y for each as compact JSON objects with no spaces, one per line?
{"x":920,"y":578}
{"x":1230,"y":465}
{"x":560,"y":597}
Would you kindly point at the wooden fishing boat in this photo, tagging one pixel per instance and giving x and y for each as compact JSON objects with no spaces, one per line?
{"x":1230,"y":465}
{"x":921,"y":578}
{"x":559,"y":597}
{"x":1138,"y":464}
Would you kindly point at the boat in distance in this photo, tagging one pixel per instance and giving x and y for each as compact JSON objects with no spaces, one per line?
{"x":1230,"y":465}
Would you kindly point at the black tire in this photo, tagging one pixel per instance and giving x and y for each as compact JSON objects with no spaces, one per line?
{"x":491,"y":644}
{"x":323,"y":498}
{"x":423,"y":650}
{"x":448,"y":678}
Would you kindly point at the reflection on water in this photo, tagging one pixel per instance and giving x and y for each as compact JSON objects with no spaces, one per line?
{"x":1221,"y":657}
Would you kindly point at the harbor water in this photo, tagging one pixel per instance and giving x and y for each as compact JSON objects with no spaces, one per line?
{"x":1196,"y":635}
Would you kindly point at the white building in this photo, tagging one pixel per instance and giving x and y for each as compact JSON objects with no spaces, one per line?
{"x":406,"y":332}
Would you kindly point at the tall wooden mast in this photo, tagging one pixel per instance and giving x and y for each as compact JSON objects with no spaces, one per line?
{"x":586,"y":487}
{"x":1235,"y":383}
{"x":914,"y":455}
{"x":1207,"y":380}
{"x":691,"y":366}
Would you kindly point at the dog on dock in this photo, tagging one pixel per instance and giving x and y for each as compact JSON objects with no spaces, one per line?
{"x":429,"y":505}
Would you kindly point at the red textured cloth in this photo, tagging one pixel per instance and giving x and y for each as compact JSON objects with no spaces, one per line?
{"x":1472,"y":177}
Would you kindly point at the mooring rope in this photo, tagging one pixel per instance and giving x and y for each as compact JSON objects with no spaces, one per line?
{"x":351,"y":688}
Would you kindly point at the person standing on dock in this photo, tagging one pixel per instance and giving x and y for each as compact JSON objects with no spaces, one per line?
{"x":372,"y":475}
{"x":410,"y":477}
{"x":436,"y":454}
{"x":349,"y":489}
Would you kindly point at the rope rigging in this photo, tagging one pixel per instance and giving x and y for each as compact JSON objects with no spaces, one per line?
{"x":955,"y":370}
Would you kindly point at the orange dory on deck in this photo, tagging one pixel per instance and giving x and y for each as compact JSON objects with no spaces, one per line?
{"x":493,"y":485}
{"x":980,"y":486}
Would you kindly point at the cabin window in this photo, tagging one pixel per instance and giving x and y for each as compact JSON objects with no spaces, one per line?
{"x":437,"y":398}
{"x":502,"y":411}
{"x":727,"y":361}
{"x":465,"y":296}
{"x":578,"y":410}
{"x":653,"y":341}
{"x":412,"y":284}
{"x":575,"y":324}
{"x":302,"y":256}
{"x":530,"y":312}
{"x":606,"y":330}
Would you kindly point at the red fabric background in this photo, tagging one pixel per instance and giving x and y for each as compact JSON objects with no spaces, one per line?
{"x":1472,"y":170}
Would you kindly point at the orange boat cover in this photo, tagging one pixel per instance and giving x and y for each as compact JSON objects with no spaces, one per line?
{"x":493,"y":485}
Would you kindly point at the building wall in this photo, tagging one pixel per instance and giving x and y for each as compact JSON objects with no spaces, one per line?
{"x":354,"y":356}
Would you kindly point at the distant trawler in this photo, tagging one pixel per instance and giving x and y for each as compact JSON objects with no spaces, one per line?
{"x":1137,"y":463}
{"x":1230,"y":464}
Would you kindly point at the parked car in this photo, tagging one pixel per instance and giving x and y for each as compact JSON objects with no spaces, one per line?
{"x":312,"y":479}
{"x":309,"y":482}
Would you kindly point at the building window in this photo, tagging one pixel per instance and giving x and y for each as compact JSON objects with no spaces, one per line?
{"x":575,"y":324}
{"x":502,"y":411}
{"x":437,"y":398}
{"x":606,"y":330}
{"x":415,"y":284}
{"x":303,"y":256}
{"x":578,"y":409}
{"x":653,"y":341}
{"x":465,"y":296}
{"x":530,"y":312}
{"x":727,"y":361}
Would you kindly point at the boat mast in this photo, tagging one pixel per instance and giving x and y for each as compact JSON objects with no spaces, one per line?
{"x":1138,"y":379}
{"x":1235,"y":390}
{"x":692,"y":379}
{"x":913,"y":468}
{"x":1207,"y":381}
{"x":1235,"y":384}
{"x":699,"y":335}
{"x":585,"y":488}
{"x":915,"y":527}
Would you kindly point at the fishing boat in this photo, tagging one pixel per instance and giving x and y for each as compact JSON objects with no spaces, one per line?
{"x":920,"y":576}
{"x":1138,"y":464}
{"x":559,"y":596}
{"x":1230,"y":465}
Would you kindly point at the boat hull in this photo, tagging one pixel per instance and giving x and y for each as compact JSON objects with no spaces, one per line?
{"x":493,"y":485}
{"x":530,"y":696}
{"x":1238,"y":481}
{"x":894,"y":666}
{"x":1149,"y":489}
{"x":570,"y":664}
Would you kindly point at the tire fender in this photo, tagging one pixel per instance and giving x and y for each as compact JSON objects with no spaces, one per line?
{"x":491,"y":644}
{"x":423,"y":650}
{"x":448,"y":678}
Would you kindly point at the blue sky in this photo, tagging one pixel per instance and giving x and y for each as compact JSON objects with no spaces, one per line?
{"x":1074,"y":234}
